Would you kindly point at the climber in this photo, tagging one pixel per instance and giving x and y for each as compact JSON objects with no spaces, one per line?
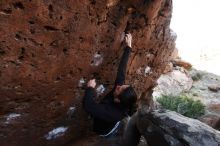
{"x":117,"y":104}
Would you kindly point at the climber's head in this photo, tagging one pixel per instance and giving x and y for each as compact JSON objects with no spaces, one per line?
{"x":125,"y":95}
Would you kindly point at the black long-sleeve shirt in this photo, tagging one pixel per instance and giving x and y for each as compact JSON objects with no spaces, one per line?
{"x":107,"y":113}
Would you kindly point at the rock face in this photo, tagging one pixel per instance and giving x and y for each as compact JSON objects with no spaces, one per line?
{"x":173,"y":83}
{"x":167,"y":128}
{"x":181,"y":63}
{"x":196,"y":84}
{"x":205,"y":88}
{"x":50,"y":48}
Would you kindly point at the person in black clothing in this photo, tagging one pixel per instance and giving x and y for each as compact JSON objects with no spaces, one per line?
{"x":117,"y":104}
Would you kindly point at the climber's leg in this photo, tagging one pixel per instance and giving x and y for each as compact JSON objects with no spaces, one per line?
{"x":114,"y":137}
{"x":131,"y":136}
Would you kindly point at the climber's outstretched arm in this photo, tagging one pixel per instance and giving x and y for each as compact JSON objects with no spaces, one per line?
{"x":120,"y":79}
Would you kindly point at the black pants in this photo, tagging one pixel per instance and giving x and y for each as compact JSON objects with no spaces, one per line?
{"x":131,"y":136}
{"x":128,"y":134}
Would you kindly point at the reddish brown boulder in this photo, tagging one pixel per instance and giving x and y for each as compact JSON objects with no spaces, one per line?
{"x":212,"y":120}
{"x":182,"y":63}
{"x":50,"y":48}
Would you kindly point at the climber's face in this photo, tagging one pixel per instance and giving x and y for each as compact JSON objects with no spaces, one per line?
{"x":118,"y":90}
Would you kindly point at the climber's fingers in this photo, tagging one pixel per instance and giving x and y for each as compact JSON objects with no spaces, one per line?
{"x":128,"y":39}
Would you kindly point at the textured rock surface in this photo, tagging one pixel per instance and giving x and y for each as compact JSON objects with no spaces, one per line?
{"x":50,"y":48}
{"x":200,"y":88}
{"x":166,"y":128}
{"x":195,"y":84}
{"x":201,"y":91}
{"x":173,"y":83}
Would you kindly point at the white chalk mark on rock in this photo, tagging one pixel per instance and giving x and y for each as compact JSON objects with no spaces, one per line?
{"x":71,"y":112}
{"x":100,"y":89}
{"x":144,"y":71}
{"x":57,"y":132}
{"x":72,"y":108}
{"x":97,"y":59}
{"x":81,"y":82}
{"x":11,"y":117}
{"x":122,"y":37}
{"x":147,"y":70}
{"x":173,"y":35}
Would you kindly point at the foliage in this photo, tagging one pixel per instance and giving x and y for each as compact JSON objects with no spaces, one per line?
{"x":183,"y":105}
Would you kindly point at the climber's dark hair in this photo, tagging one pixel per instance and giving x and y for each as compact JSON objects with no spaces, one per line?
{"x":128,"y":97}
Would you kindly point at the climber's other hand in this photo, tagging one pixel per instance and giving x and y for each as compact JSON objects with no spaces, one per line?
{"x":91,"y":83}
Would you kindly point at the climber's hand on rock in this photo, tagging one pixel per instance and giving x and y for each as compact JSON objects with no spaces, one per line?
{"x":91,"y":83}
{"x":128,"y":39}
